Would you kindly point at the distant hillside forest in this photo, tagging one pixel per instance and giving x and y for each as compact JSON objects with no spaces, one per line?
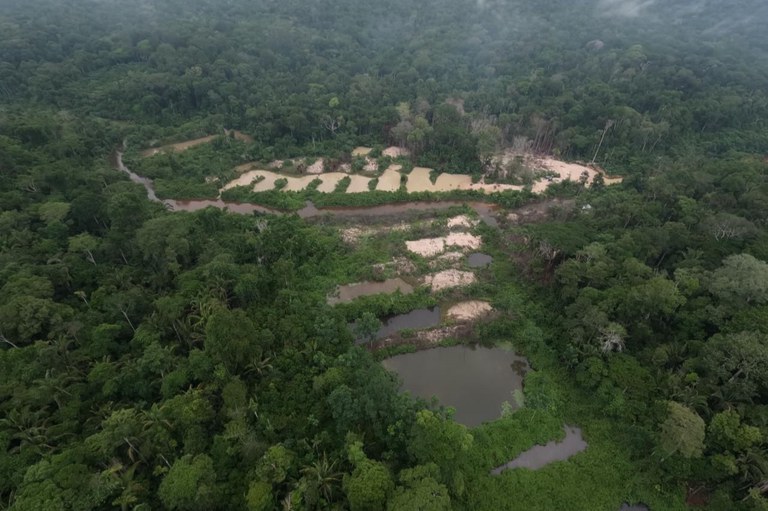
{"x":189,"y":361}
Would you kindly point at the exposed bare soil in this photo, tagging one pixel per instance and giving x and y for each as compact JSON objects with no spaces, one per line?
{"x":470,"y":310}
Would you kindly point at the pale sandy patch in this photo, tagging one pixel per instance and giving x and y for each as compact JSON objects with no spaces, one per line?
{"x":447,"y":182}
{"x":345,"y":167}
{"x":494,"y":187}
{"x":461,"y":221}
{"x":451,"y":257}
{"x":316,"y":168}
{"x":268,"y":183}
{"x":361,"y":151}
{"x":447,"y":279}
{"x":359,"y":184}
{"x":330,"y":180}
{"x":244,"y":179}
{"x":394,"y":151}
{"x":427,"y":247}
{"x":370,"y":165}
{"x":296,"y":184}
{"x":463,"y":240}
{"x":389,"y":181}
{"x":430,"y":247}
{"x":277,"y":164}
{"x":467,"y":311}
{"x":418,"y":180}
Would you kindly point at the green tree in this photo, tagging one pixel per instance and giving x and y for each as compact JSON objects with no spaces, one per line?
{"x":190,"y":484}
{"x":368,"y":486}
{"x":682,"y":432}
{"x":259,"y":496}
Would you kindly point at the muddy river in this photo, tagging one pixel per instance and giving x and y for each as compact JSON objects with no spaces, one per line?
{"x":473,"y":380}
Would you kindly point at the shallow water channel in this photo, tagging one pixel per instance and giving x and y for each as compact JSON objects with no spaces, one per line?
{"x":539,"y":456}
{"x":473,"y":380}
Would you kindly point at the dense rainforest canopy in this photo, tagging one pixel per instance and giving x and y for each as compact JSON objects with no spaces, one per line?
{"x":189,"y":361}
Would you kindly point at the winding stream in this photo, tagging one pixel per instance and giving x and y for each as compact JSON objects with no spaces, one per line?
{"x":540,"y":456}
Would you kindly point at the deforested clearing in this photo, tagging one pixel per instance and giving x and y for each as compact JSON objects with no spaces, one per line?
{"x":430,"y":247}
{"x":361,"y":151}
{"x":394,"y":152}
{"x":447,"y":279}
{"x":358,"y":184}
{"x":389,"y":181}
{"x":469,"y":310}
{"x":462,"y":221}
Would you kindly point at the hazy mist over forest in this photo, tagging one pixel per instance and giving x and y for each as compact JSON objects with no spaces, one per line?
{"x":225,"y":223}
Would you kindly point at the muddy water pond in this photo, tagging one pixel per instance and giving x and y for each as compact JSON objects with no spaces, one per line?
{"x":416,"y":320}
{"x":478,"y":260}
{"x":539,"y":456}
{"x":474,"y":381}
{"x":349,"y":292}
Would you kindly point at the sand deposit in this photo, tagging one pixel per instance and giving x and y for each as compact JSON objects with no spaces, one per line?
{"x":370,"y":165}
{"x":447,"y":279}
{"x":316,"y":168}
{"x":361,"y":151}
{"x":296,"y":184}
{"x":430,"y":247}
{"x":394,"y":152}
{"x":358,"y":184}
{"x":446,"y":182}
{"x":418,"y":180}
{"x":330,"y":180}
{"x":467,"y":311}
{"x":266,"y":184}
{"x":389,"y":181}
{"x":461,"y":221}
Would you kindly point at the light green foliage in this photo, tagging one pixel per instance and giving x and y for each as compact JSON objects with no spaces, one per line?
{"x":682,"y":432}
{"x":190,"y":484}
{"x":275,"y":464}
{"x":420,"y":491}
{"x":368,"y":486}
{"x":740,"y":281}
{"x":725,"y":431}
{"x":52,"y":212}
{"x":259,"y":496}
{"x":444,"y":443}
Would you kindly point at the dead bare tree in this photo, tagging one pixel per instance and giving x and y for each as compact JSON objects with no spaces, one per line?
{"x":608,"y":125}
